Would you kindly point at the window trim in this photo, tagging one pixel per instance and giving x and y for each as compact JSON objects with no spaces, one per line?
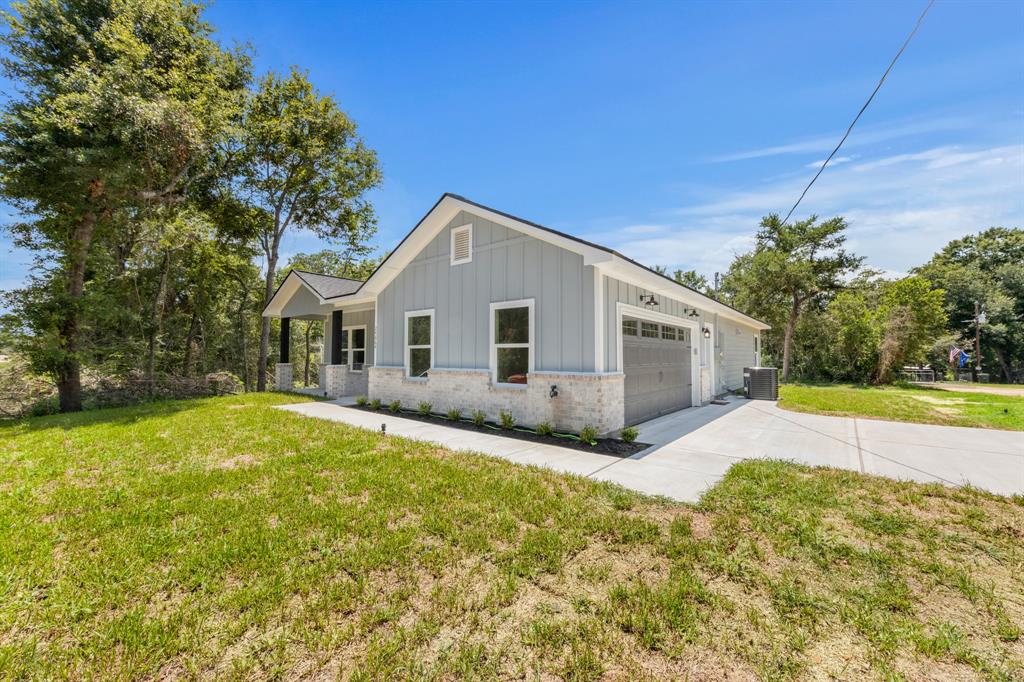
{"x":347,"y":331}
{"x":531,"y":345}
{"x":468,"y":227}
{"x":427,"y":312}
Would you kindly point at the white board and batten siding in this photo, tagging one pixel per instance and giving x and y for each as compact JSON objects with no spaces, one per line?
{"x":506,"y":265}
{"x":733,"y":341}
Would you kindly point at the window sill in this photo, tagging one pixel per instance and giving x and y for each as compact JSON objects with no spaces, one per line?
{"x":511,"y":387}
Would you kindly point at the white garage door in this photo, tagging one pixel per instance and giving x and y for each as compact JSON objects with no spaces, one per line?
{"x":656,"y":361}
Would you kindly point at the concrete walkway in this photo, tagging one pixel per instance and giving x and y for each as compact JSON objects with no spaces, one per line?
{"x":691,"y":450}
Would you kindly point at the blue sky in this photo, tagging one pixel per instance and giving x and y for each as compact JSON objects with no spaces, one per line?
{"x":667,"y":130}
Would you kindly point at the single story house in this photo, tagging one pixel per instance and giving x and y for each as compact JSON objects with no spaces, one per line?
{"x":478,"y":309}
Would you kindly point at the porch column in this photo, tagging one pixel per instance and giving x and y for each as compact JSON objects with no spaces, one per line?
{"x":285,"y":338}
{"x":336,"y":373}
{"x":336,"y":358}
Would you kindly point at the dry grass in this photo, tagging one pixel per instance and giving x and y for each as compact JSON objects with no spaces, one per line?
{"x":197,"y":539}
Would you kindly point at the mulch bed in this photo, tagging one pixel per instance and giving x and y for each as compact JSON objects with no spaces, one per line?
{"x":603,"y":446}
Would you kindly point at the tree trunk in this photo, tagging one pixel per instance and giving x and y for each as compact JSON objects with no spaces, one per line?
{"x":190,"y":338}
{"x":243,"y":333}
{"x":305,"y":375}
{"x":1007,"y":374}
{"x":69,"y":369}
{"x":787,"y":342}
{"x":157,"y":322}
{"x":268,"y":292}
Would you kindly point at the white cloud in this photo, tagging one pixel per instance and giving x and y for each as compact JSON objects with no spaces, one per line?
{"x":901,"y":209}
{"x":868,"y":135}
{"x":834,"y":162}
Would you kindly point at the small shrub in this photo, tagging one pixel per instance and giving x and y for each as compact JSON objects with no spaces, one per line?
{"x":375,"y":404}
{"x":395,"y":405}
{"x":507,"y":420}
{"x":588,"y":434}
{"x":362,"y":401}
{"x":424,"y":408}
{"x":545,"y":429}
{"x":454,"y":414}
{"x":479,"y":417}
{"x":629,"y":434}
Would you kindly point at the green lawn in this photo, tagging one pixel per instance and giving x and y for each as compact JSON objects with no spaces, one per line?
{"x":922,"y":405}
{"x":223,"y":538}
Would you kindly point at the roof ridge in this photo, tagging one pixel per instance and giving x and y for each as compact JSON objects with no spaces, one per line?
{"x":321,"y":274}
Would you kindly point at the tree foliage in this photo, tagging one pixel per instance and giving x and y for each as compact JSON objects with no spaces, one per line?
{"x":791,"y":266}
{"x":987,"y":267}
{"x":302,"y":162}
{"x":147,"y":175}
{"x":122,"y":104}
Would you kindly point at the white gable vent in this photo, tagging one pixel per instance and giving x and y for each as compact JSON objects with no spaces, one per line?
{"x":462,"y":244}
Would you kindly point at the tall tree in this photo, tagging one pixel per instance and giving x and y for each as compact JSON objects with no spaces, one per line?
{"x":303,"y":163}
{"x":120,"y":105}
{"x":987,"y":267}
{"x":911,"y":318}
{"x":791,"y":265}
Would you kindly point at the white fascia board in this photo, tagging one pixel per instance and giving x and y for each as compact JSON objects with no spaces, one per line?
{"x":632,"y":273}
{"x":428,"y":228}
{"x":355,"y":304}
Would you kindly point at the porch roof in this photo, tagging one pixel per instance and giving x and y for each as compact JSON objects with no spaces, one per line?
{"x":309,"y":294}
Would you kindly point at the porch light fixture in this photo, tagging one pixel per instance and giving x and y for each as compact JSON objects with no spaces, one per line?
{"x":692,"y":312}
{"x":707,"y":333}
{"x":649,"y":302}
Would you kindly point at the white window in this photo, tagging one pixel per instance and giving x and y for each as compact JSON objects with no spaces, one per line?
{"x":649,"y":330}
{"x":462,"y":244}
{"x":353,"y":345}
{"x":668,"y":333}
{"x":629,"y":327}
{"x":511,"y":342}
{"x":419,"y":343}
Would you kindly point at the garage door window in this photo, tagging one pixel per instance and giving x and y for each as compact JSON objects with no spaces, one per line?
{"x":629,"y":328}
{"x":668,"y":333}
{"x":648,"y":330}
{"x":511,"y":342}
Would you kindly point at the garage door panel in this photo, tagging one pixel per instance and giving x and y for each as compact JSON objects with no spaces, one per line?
{"x":657,"y":370}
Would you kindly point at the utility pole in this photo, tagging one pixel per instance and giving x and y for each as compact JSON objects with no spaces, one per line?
{"x":978,"y":319}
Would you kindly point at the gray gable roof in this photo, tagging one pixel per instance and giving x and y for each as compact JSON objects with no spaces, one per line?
{"x":328,"y":286}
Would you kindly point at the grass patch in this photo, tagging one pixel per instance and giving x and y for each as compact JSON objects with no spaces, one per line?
{"x":221,"y":537}
{"x":907,"y":404}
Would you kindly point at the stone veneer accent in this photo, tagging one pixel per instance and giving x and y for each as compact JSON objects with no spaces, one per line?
{"x":339,"y":381}
{"x":594,"y":399}
{"x":283,"y":376}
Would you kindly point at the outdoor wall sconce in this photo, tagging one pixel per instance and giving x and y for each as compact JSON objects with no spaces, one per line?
{"x":692,"y":312}
{"x":554,"y":391}
{"x":648,"y":300}
{"x":707,"y":333}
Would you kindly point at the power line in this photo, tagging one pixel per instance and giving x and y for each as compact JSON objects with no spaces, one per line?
{"x":862,"y":109}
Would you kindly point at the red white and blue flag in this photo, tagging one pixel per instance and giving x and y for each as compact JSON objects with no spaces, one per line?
{"x":954,"y":353}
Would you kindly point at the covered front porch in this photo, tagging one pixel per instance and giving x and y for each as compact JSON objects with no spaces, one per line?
{"x":348,"y":333}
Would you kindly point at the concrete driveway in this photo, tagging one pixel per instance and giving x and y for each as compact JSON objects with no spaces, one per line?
{"x":691,"y":450}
